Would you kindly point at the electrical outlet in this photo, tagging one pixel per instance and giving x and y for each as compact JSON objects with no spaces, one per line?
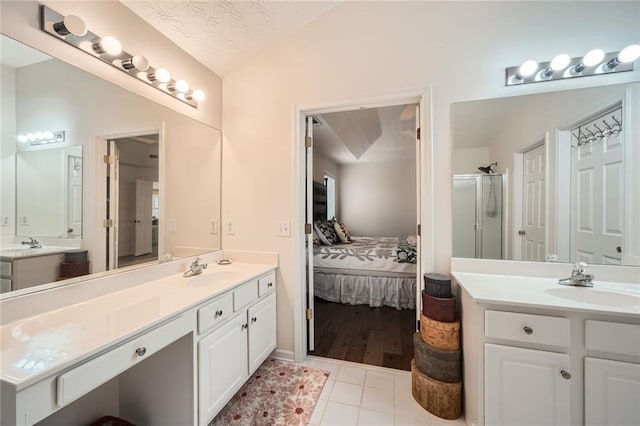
{"x":24,"y":221}
{"x":229,"y":227}
{"x":213,"y":227}
{"x":6,"y":221}
{"x":283,"y":228}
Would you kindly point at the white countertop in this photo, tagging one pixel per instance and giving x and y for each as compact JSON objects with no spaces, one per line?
{"x":602,"y":298}
{"x":19,"y":252}
{"x":42,"y":345}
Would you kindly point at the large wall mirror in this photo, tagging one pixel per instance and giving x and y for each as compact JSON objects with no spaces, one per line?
{"x":549,"y":177}
{"x":96,"y":175}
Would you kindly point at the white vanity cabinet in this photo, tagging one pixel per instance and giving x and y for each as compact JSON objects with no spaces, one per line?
{"x":28,"y":271}
{"x":234,"y":348}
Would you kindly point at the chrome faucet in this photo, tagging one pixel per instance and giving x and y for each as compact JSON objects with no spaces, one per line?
{"x":195,"y":268}
{"x":32,"y":243}
{"x":578,"y":278}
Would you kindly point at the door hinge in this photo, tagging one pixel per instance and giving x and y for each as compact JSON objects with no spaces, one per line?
{"x":309,"y":314}
{"x":108,"y":223}
{"x":108,"y":159}
{"x":419,"y":230}
{"x":418,"y":133}
{"x":307,"y":228}
{"x":308,"y":142}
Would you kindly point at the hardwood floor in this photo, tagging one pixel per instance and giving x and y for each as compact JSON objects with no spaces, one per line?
{"x":374,"y":336}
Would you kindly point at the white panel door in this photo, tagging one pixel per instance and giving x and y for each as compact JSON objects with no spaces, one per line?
{"x":611,"y":392}
{"x":74,"y":196}
{"x":597,"y":202}
{"x":143,"y":220}
{"x":526,"y":387}
{"x":533,"y":205}
{"x":311,"y":343}
{"x":262,"y":331}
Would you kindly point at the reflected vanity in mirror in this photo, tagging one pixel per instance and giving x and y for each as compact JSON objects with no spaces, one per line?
{"x":91,"y":171}
{"x":565,"y":186}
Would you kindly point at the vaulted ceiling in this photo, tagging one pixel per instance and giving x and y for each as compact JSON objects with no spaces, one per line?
{"x":223,"y":34}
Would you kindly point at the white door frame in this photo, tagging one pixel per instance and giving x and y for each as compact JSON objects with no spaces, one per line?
{"x":99,"y":189}
{"x":426,"y":259}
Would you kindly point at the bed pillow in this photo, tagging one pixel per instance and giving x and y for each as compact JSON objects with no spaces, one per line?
{"x":342,"y":232}
{"x":406,"y":252}
{"x":325,"y":231}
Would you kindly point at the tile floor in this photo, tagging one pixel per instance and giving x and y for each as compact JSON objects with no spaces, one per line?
{"x":359,"y":394}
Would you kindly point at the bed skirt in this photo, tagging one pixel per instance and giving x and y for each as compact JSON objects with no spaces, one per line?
{"x":396,"y":292}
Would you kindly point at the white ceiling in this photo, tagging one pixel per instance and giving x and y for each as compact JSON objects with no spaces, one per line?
{"x":374,"y":135}
{"x":17,"y":55}
{"x":223,"y":34}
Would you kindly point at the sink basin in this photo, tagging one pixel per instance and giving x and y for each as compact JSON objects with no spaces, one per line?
{"x":17,"y":251}
{"x":596,"y":296}
{"x":212,"y":277}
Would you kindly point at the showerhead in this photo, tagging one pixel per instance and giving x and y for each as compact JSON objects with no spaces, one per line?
{"x":488,"y":170}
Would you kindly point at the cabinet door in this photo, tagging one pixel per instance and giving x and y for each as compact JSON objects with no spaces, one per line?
{"x":262,"y":331}
{"x":223,"y":366}
{"x":526,"y":386}
{"x":611,"y":392}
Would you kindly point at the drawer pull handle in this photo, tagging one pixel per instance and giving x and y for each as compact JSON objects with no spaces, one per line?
{"x":245,"y":326}
{"x":141,"y":351}
{"x":254,"y":319}
{"x":565,"y":374}
{"x":270,"y":285}
{"x":218,"y":313}
{"x":528,"y":330}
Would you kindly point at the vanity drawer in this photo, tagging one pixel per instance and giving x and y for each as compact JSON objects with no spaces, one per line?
{"x":612,"y":337}
{"x":5,"y":285}
{"x":215,"y":312}
{"x":244,"y":295}
{"x":77,"y":382}
{"x":542,"y":329}
{"x":5,"y":268}
{"x":267,"y":284}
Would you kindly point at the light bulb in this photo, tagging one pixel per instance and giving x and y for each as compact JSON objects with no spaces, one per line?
{"x":71,"y":24}
{"x":593,"y":57}
{"x":198,"y":95}
{"x":22,"y":138}
{"x":560,"y":62}
{"x":528,"y":68}
{"x":160,"y":75}
{"x":182,"y":86}
{"x":107,"y":44}
{"x":138,"y":62}
{"x":629,"y":53}
{"x":48,"y":135}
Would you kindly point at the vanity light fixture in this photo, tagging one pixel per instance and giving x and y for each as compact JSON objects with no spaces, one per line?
{"x":42,"y":137}
{"x":73,"y":31}
{"x":594,"y":62}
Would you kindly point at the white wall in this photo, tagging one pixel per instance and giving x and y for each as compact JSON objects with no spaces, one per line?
{"x":7,"y":150}
{"x":378,"y":199}
{"x":367,"y":49}
{"x":467,"y":160}
{"x":322,"y":165}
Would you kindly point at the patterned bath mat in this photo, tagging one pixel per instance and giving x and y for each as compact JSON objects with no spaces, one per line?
{"x":279,"y":393}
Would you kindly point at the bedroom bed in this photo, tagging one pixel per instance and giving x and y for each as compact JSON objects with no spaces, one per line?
{"x":378,"y":271}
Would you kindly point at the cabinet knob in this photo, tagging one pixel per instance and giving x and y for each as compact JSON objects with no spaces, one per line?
{"x":141,"y":351}
{"x":245,"y":326}
{"x":528,"y":330}
{"x":269,"y":285}
{"x":254,"y":319}
{"x":565,"y":374}
{"x":218,"y":313}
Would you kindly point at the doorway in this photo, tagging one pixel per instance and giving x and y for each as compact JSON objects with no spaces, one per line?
{"x":133,"y":202}
{"x":381,"y":325}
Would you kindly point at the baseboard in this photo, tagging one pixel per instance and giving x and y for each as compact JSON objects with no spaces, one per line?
{"x":283,"y":355}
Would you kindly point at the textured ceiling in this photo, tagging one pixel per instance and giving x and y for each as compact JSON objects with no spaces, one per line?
{"x":223,"y":34}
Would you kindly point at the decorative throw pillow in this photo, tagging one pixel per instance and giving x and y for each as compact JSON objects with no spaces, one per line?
{"x":325,"y":231}
{"x":342,"y":232}
{"x":316,"y":240}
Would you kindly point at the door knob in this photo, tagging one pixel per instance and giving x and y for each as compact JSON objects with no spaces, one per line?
{"x":565,"y":374}
{"x":522,"y":232}
{"x":619,"y":249}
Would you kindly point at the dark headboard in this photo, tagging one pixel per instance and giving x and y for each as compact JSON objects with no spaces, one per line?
{"x":319,"y":201}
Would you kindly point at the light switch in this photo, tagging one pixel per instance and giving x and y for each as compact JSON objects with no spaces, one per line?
{"x":229,"y":227}
{"x":213,"y":227}
{"x":283,"y":228}
{"x":6,"y":220}
{"x":24,"y":220}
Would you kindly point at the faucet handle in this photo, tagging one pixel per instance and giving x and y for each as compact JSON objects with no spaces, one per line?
{"x":579,"y":267}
